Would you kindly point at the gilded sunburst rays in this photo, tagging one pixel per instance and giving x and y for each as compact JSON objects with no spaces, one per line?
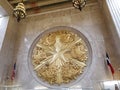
{"x":59,"y":57}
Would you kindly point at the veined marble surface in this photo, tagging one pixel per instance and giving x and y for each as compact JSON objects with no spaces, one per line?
{"x":89,"y":22}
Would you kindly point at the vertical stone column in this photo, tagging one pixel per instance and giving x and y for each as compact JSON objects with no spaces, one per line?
{"x":111,"y":10}
{"x":114,"y":7}
{"x":113,"y":19}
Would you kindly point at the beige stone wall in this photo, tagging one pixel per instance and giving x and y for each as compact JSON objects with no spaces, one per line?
{"x":7,"y":41}
{"x":6,"y":6}
{"x":90,"y":22}
{"x":3,"y":27}
{"x":112,"y":41}
{"x":7,"y":50}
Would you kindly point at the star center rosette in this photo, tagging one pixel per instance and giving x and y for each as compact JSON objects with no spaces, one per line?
{"x":60,"y":57}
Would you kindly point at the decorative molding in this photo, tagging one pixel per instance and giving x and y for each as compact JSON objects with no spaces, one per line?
{"x":61,"y":9}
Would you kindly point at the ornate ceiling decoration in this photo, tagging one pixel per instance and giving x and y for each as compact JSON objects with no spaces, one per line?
{"x":59,"y":57}
{"x":40,"y":6}
{"x":19,"y":11}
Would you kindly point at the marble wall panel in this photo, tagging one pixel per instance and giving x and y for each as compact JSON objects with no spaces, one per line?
{"x":112,"y":39}
{"x":90,"y":22}
{"x":7,"y":50}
